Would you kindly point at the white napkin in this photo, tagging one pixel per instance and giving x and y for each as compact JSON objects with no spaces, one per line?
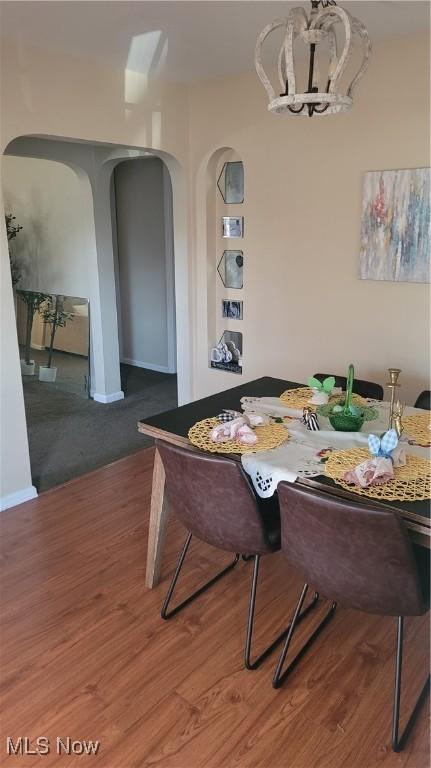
{"x":319,"y":398}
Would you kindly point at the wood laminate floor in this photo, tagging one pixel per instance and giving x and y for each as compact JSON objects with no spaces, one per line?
{"x":85,"y":654}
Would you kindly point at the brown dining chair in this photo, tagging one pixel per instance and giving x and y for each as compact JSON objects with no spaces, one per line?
{"x":214,"y":500}
{"x":424,"y":400}
{"x":360,"y":387}
{"x":359,"y":555}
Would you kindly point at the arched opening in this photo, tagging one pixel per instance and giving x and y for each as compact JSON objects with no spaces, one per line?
{"x":48,"y":207}
{"x":141,"y":199}
{"x":180,"y":318}
{"x":221,"y":235}
{"x":92,"y":165}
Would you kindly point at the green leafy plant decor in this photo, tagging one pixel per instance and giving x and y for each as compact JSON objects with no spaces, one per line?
{"x":53,"y":314}
{"x":349,"y":390}
{"x":327,"y":385}
{"x":12,"y":229}
{"x":33,"y":301}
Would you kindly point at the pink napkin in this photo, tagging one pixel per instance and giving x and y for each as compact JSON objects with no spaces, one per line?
{"x":376,"y":471}
{"x":371,"y":472}
{"x":237,"y":429}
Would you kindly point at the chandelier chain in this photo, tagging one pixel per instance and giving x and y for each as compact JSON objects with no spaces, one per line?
{"x":323,"y":3}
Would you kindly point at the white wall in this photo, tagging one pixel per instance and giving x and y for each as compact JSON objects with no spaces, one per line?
{"x":56,"y":247}
{"x":15,"y":476}
{"x":305,"y":308}
{"x":145,"y":263}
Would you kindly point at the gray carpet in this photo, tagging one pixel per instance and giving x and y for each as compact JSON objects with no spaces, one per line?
{"x":69,"y":435}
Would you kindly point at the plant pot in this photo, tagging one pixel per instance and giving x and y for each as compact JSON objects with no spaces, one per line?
{"x":27,"y":369}
{"x":47,"y":374}
{"x":346,"y":422}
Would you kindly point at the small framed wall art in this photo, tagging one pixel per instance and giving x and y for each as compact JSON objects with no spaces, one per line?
{"x":232,"y":309}
{"x":233,"y":226}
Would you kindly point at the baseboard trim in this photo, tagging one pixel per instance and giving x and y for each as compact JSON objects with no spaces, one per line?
{"x":108,"y":398}
{"x":19,"y":497}
{"x":149,"y":366}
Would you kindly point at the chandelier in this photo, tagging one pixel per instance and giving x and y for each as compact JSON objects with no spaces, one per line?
{"x":318,"y":31}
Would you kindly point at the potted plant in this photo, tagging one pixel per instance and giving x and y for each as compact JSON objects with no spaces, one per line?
{"x":33,"y":300}
{"x":12,"y":230}
{"x":53,"y":314}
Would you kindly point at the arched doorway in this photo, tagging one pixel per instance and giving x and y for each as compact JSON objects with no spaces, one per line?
{"x":141,"y":197}
{"x":96,"y":161}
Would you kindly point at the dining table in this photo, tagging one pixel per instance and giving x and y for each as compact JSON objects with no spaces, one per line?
{"x":173,"y":427}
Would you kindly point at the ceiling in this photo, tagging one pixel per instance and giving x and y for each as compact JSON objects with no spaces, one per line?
{"x":183,"y":41}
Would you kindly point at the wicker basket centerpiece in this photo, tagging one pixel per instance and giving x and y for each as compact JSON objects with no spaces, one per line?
{"x":343,"y":415}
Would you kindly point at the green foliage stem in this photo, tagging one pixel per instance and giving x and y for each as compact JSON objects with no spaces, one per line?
{"x":33,"y":300}
{"x":53,"y":314}
{"x":349,"y":388}
{"x":12,"y":230}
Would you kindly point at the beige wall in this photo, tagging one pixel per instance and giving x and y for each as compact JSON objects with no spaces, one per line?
{"x":49,"y":93}
{"x":305,"y":310}
{"x":304,"y":307}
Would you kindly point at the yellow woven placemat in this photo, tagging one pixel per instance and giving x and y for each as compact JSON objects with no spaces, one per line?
{"x":410,"y":483}
{"x":417,"y":427}
{"x":268,"y":436}
{"x":299,"y":398}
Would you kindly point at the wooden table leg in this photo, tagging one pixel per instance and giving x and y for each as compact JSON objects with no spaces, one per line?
{"x":158,"y":521}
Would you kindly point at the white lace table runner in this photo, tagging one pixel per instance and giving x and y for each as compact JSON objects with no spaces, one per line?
{"x":305,"y":452}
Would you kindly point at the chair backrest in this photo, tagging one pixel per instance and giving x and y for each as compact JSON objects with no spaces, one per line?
{"x":424,"y":400}
{"x":214,"y":500}
{"x":363,"y":388}
{"x":357,"y":554}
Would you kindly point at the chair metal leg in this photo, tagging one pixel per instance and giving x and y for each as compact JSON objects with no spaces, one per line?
{"x":167,"y":615}
{"x":398,"y":742}
{"x":280,"y":676}
{"x":397,"y":689}
{"x":249,"y":664}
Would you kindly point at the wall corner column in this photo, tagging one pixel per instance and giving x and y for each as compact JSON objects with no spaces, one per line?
{"x":15,"y":473}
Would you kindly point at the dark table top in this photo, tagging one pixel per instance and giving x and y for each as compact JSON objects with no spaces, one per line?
{"x":179,"y":420}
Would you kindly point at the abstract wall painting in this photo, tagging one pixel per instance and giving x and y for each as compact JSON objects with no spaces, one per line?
{"x":395,"y":234}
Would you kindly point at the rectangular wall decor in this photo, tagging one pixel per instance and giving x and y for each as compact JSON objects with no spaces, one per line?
{"x":232,"y":226}
{"x":232,"y":309}
{"x":227,"y":355}
{"x":395,"y":242}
